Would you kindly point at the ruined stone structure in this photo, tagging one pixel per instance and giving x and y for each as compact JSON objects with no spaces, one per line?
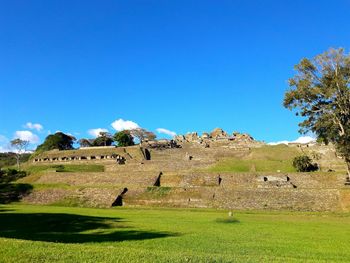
{"x":179,"y":174}
{"x":78,"y":158}
{"x":161,"y":144}
{"x":217,"y":137}
{"x":92,"y":154}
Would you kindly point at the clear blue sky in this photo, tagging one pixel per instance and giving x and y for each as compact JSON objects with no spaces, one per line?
{"x":179,"y":65}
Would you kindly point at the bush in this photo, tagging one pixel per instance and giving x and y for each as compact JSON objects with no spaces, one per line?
{"x":304,"y":163}
{"x":59,"y":168}
{"x":10,"y":175}
{"x":9,"y":159}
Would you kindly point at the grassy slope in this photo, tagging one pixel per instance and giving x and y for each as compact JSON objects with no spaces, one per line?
{"x":270,"y":158}
{"x":46,"y":234}
{"x":264,"y":159}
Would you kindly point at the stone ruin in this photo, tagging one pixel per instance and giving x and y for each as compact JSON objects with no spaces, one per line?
{"x":161,"y":144}
{"x":268,"y":181}
{"x":217,"y":135}
{"x":80,"y":157}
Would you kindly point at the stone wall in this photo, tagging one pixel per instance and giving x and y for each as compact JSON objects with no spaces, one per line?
{"x":304,"y":192}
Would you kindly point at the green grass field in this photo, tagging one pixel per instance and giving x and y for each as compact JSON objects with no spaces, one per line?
{"x":67,"y":234}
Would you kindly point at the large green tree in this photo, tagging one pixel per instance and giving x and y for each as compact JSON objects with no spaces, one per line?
{"x":103,"y":139}
{"x":123,"y":138}
{"x":59,"y":140}
{"x":320,"y":93}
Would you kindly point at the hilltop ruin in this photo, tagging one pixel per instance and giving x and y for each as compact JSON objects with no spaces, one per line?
{"x":217,"y":138}
{"x":183,"y":173}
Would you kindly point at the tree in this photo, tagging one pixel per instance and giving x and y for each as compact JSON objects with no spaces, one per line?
{"x":123,"y":138}
{"x":104,"y":139}
{"x":320,"y":92}
{"x":85,"y":142}
{"x":9,"y":159}
{"x":304,"y":163}
{"x":142,"y":134}
{"x":59,"y":140}
{"x":21,"y":147}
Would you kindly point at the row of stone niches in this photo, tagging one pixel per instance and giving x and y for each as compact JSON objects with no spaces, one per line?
{"x":79,"y":158}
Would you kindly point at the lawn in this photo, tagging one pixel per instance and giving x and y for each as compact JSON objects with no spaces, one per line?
{"x":67,"y":234}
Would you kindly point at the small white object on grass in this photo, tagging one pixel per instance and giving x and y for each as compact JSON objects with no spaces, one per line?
{"x":230,"y":214}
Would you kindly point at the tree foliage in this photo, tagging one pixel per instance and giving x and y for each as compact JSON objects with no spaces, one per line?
{"x":9,"y":159}
{"x":123,"y":138}
{"x":10,"y":175}
{"x":21,"y":147}
{"x":142,"y":134}
{"x":320,"y":91}
{"x":85,"y":142}
{"x":304,"y":163}
{"x":59,"y":140}
{"x":104,"y":139}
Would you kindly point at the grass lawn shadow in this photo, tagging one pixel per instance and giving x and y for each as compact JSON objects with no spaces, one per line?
{"x":13,"y":192}
{"x":227,"y":220}
{"x":70,"y":228}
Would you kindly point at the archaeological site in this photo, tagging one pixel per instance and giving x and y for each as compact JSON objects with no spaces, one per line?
{"x":216,"y":170}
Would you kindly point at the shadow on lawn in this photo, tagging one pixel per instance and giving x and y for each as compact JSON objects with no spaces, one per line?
{"x":13,"y":192}
{"x":69,"y":228}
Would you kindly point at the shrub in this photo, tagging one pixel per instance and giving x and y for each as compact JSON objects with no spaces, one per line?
{"x":304,"y":163}
{"x":59,"y":168}
{"x":10,"y":175}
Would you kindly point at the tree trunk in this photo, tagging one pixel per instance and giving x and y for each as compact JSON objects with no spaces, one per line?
{"x":18,"y":162}
{"x":347,"y":161}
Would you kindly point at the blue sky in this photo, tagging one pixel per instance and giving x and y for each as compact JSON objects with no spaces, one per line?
{"x":180,"y":65}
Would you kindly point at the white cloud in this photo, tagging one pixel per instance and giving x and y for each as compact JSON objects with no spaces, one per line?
{"x":167,"y":132}
{"x":27,"y":136}
{"x":120,"y":125}
{"x":302,"y":139}
{"x":34,"y":126}
{"x":305,"y":139}
{"x":96,"y":132}
{"x":5,"y":145}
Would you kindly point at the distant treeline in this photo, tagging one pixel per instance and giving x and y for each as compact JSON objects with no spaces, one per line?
{"x":9,"y":159}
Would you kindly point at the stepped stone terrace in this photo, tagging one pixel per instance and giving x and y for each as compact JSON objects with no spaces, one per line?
{"x":120,"y":154}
